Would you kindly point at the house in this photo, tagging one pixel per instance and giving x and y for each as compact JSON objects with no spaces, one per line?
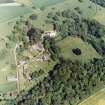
{"x":49,"y":34}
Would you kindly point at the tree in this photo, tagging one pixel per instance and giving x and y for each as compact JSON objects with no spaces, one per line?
{"x":33,"y":17}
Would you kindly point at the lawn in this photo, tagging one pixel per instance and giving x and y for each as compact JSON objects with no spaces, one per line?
{"x":69,"y":43}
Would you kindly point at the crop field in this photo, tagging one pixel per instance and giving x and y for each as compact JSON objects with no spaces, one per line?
{"x":96,"y":99}
{"x":69,"y":43}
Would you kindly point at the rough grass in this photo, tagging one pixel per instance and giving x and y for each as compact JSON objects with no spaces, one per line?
{"x":36,"y":66}
{"x":69,"y":43}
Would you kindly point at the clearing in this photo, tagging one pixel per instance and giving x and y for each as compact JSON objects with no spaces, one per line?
{"x":69,"y":43}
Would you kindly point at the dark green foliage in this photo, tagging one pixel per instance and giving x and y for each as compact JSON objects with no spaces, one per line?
{"x":36,"y":74}
{"x":74,"y":24}
{"x":33,"y":17}
{"x":77,"y":51}
{"x":68,"y":82}
{"x":80,"y":1}
{"x":34,"y":34}
{"x":78,"y":10}
{"x":50,"y":46}
{"x":100,"y":2}
{"x":98,"y":45}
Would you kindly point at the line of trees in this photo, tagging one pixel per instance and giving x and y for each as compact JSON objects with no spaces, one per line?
{"x":100,"y":2}
{"x":50,"y":47}
{"x":69,"y":23}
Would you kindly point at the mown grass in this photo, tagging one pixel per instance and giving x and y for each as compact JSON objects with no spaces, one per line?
{"x":69,"y":43}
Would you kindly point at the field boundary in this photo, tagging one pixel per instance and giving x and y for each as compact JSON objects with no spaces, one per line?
{"x":95,"y":94}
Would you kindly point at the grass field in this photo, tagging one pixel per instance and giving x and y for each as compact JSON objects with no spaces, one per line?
{"x":87,"y":12}
{"x":69,"y":43}
{"x":96,"y":99}
{"x":41,"y":3}
{"x":8,"y":14}
{"x":8,"y":87}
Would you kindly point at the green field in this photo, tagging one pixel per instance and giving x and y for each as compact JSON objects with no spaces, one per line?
{"x":9,"y":14}
{"x":8,"y":87}
{"x":69,"y":43}
{"x":96,"y":99}
{"x":41,"y":3}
